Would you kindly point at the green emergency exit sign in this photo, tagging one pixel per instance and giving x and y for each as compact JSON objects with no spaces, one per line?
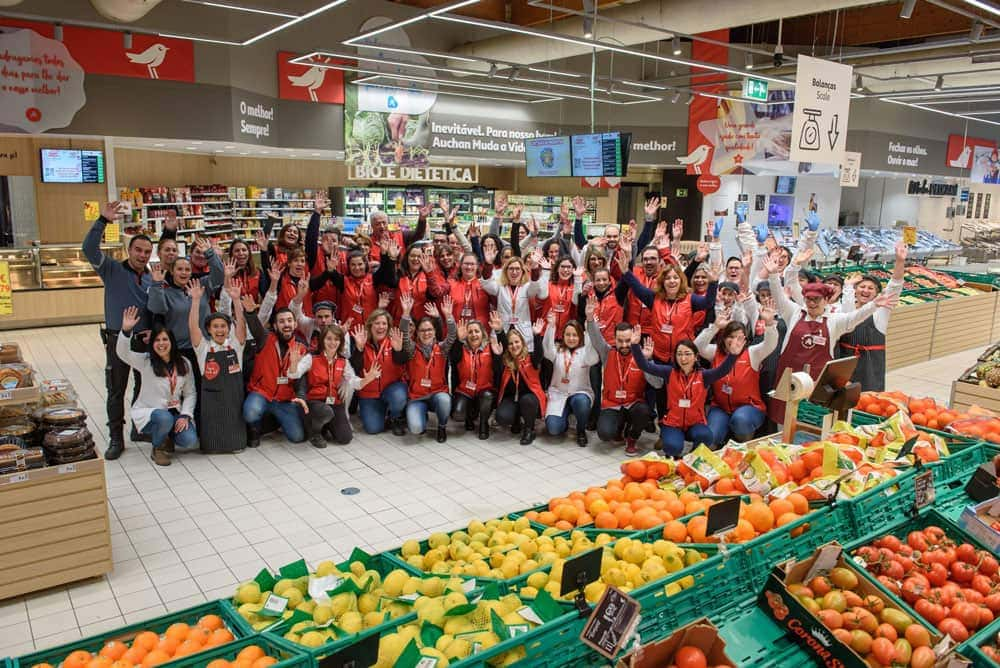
{"x":755,"y":89}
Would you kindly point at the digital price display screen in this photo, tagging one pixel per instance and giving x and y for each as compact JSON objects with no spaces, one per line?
{"x":597,"y":154}
{"x":547,"y":156}
{"x":72,"y":166}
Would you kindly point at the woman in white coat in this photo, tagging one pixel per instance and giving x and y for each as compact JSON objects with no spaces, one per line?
{"x":513,"y":291}
{"x":570,"y":390}
{"x":167,"y":395}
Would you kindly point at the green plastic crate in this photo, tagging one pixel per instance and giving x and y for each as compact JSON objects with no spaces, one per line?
{"x":54,"y":655}
{"x":951,"y":499}
{"x":971,"y":647}
{"x":288,"y":654}
{"x":754,"y":639}
{"x":882,"y":506}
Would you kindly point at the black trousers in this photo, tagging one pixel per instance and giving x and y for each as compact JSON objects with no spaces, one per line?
{"x":322,"y":414}
{"x":526,"y":408}
{"x":116,"y":373}
{"x":189,"y":354}
{"x":597,"y":385}
{"x":632,"y":420}
{"x":469,"y":409}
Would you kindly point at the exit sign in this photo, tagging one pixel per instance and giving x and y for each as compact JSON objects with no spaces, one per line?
{"x":755,"y":89}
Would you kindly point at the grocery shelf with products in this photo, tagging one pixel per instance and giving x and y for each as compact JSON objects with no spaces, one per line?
{"x":402,"y":205}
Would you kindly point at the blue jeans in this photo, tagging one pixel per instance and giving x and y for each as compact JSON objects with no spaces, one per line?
{"x":579,"y":404}
{"x":372,"y":411}
{"x":743,"y":423}
{"x":673,"y":438}
{"x":416,"y":412}
{"x":161,"y":425}
{"x":288,"y":415}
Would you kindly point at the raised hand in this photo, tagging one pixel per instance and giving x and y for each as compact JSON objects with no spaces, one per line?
{"x":130,"y":318}
{"x":717,"y":229}
{"x":360,"y":335}
{"x":202,"y":244}
{"x":637,"y":335}
{"x":501,"y":204}
{"x":564,"y":211}
{"x":443,"y":205}
{"x":770,"y":265}
{"x":622,"y":260}
{"x":647,"y":348}
{"x":332,"y":262}
{"x":302,"y":288}
{"x":538,"y":327}
{"x":396,"y":338}
{"x":391,"y":249}
{"x":473,"y":230}
{"x":678,"y":230}
{"x":448,"y":306}
{"x":495,"y":346}
{"x":112,"y":210}
{"x":274,"y":270}
{"x":760,"y":232}
{"x":424,"y":210}
{"x":889,"y":301}
{"x":294,"y":355}
{"x":321,"y":203}
{"x":518,"y":210}
{"x":901,"y":251}
{"x":550,"y":319}
{"x":768,"y":303}
{"x":580,"y":206}
{"x":234,"y":289}
{"x":722,"y":318}
{"x":496,"y":322}
{"x":229,"y":267}
{"x":452,"y":215}
{"x":249,"y":303}
{"x":599,"y":242}
{"x":195,"y":290}
{"x":490,"y":256}
{"x":702,"y":253}
{"x":261,"y":240}
{"x":372,"y":374}
{"x":591,"y":308}
{"x":431,"y":309}
{"x":652,"y":205}
{"x":462,"y":329}
{"x":170,"y":220}
{"x":767,"y":313}
{"x":346,"y":325}
{"x":531,"y":225}
{"x":661,"y":229}
{"x":428,"y":263}
{"x":384,"y":298}
{"x":156,"y":272}
{"x":803,"y":257}
{"x":406,"y":302}
{"x":812,"y":221}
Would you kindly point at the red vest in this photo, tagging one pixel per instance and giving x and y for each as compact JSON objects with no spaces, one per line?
{"x":742,"y":382}
{"x":470,"y":301}
{"x":638,"y":314}
{"x":692,"y":391}
{"x":418,"y":288}
{"x":267,"y":368}
{"x":671,"y":322}
{"x":427,"y":376}
{"x":391,"y":372}
{"x":250,"y":284}
{"x":475,"y":371}
{"x":329,"y":292}
{"x":561,"y":301}
{"x":526,"y":374}
{"x":624,"y":381}
{"x":322,"y":383}
{"x":287,"y":292}
{"x":609,"y":313}
{"x":358,"y":299}
{"x":375,"y":253}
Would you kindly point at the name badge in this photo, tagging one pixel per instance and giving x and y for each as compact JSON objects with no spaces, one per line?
{"x":684,"y":403}
{"x":173,"y":403}
{"x":357,"y":308}
{"x":467,"y":313}
{"x":330,"y":401}
{"x":234,"y":368}
{"x":470,"y":385}
{"x":513,"y":321}
{"x":727,"y":389}
{"x":425,"y":382}
{"x":621,"y":394}
{"x":565,"y":380}
{"x":282,"y":380}
{"x":819,"y":340}
{"x":667,"y":328}
{"x":559,"y":308}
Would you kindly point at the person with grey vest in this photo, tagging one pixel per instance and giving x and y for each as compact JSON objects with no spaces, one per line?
{"x":125,"y":284}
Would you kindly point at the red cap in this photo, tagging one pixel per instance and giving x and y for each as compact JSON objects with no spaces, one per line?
{"x":817,"y":290}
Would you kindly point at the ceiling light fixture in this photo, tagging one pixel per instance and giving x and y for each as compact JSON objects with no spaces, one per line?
{"x":297,"y":19}
{"x":417,"y":52}
{"x":413,"y":19}
{"x":993,"y":9}
{"x":748,"y":61}
{"x":675,"y":98}
{"x":603,"y":46}
{"x":676,"y":45}
{"x":940,"y":111}
{"x":642,"y":84}
{"x":690,"y":98}
{"x":57,"y":32}
{"x":542,"y":70}
{"x":207,"y":40}
{"x":308,"y":60}
{"x":976,"y":31}
{"x":127,"y":40}
{"x":939,"y":83}
{"x":588,"y":27}
{"x":906,"y":11}
{"x":159,"y":144}
{"x":474,"y":96}
{"x":982,"y":113}
{"x":252,"y":10}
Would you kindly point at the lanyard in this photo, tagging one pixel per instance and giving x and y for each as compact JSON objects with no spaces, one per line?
{"x":474,"y":363}
{"x":567,"y":363}
{"x":284,"y":360}
{"x":172,"y":380}
{"x":470,"y":292}
{"x":330,"y":373}
{"x":430,"y":363}
{"x":623,"y":377}
{"x":513,"y":297}
{"x":562,"y":292}
{"x":686,"y":390}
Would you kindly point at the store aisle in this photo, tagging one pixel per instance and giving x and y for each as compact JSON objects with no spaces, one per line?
{"x":189,"y":532}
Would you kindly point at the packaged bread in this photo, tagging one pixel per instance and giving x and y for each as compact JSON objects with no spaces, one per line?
{"x":83,"y":455}
{"x":58,"y":438}
{"x":9,"y":352}
{"x":14,"y":457}
{"x":14,"y":375}
{"x":61,"y":417}
{"x":57,"y":392}
{"x":22,"y":429}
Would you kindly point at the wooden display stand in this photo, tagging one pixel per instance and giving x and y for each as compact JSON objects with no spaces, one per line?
{"x":965,"y":394}
{"x":908,"y":339}
{"x":963,"y":322}
{"x":54,"y":527}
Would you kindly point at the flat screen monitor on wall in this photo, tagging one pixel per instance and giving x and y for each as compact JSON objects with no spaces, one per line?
{"x":61,"y":165}
{"x":784,"y":185}
{"x":600,"y":154}
{"x":548,"y":156}
{"x":779,"y":210}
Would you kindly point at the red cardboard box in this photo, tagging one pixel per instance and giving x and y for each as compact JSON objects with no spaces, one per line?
{"x":700,"y":633}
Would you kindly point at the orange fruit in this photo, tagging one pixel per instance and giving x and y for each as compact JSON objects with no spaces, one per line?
{"x":178,"y":631}
{"x":646,"y":519}
{"x":556,"y":502}
{"x":155,"y":658}
{"x":675,"y":531}
{"x":633,"y":492}
{"x":219,"y":663}
{"x":531,"y":515}
{"x":781,"y":506}
{"x":744,"y":531}
{"x":168,"y":645}
{"x":114,"y":650}
{"x":760,"y":516}
{"x":614,"y":493}
{"x":100,"y":662}
{"x":584,"y":519}
{"x":686,"y":496}
{"x":664,"y":516}
{"x":694,"y":507}
{"x":564,"y":525}
{"x":134,"y":655}
{"x":598,"y":506}
{"x":187,"y":648}
{"x":696,"y":527}
{"x":624,"y":515}
{"x":251,"y":653}
{"x":799,"y":503}
{"x":264,"y":662}
{"x":242,"y":663}
{"x":567,"y":512}
{"x":219,"y":637}
{"x":77,"y":659}
{"x":210,"y":622}
{"x":547,"y":517}
{"x":724,"y":486}
{"x":797,"y":470}
{"x":606,"y":520}
{"x":122,"y":663}
{"x":198,"y":635}
{"x":787,"y":518}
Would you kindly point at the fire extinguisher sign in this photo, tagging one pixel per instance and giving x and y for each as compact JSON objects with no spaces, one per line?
{"x":822,"y":106}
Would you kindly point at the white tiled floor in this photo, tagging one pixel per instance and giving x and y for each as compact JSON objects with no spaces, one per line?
{"x":189,"y":532}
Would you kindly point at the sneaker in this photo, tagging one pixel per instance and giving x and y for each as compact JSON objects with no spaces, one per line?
{"x":581,"y":438}
{"x":160,"y":457}
{"x":442,"y":434}
{"x":631,"y":449}
{"x":114,"y":451}
{"x":317,"y":441}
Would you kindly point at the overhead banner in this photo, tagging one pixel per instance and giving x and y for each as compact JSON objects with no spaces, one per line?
{"x":309,"y":83}
{"x":850,"y":169}
{"x":41,"y":86}
{"x":822,"y":107}
{"x":961,"y":148}
{"x":387,"y":126}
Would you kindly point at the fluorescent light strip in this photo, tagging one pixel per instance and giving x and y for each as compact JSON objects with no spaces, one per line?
{"x":297,"y":19}
{"x":984,"y":6}
{"x":542,"y":70}
{"x":433,"y":54}
{"x":200,"y":39}
{"x":481,"y":97}
{"x":982,"y":113}
{"x":482,"y":23}
{"x":434,"y":68}
{"x":637,"y":84}
{"x":979,"y":90}
{"x":989,"y":99}
{"x":514,"y":91}
{"x":252,"y":10}
{"x":939,"y":111}
{"x":580,"y":86}
{"x":405,"y":22}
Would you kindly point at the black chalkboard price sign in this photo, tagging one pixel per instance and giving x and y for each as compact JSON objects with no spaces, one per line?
{"x":923,"y":489}
{"x":610,"y":623}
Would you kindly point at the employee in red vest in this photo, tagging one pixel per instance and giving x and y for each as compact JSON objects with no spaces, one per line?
{"x":624,"y":411}
{"x":359,"y":287}
{"x":280,"y":361}
{"x":427,"y":367}
{"x":522,"y":398}
{"x":737,"y":407}
{"x":328,"y":387}
{"x":380,"y":232}
{"x":470,"y":301}
{"x":477,"y":363}
{"x":415,"y":264}
{"x":608,"y":302}
{"x":377,"y":341}
{"x":686,"y":392}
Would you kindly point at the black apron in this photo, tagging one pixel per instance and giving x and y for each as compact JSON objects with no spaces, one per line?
{"x":223,"y":430}
{"x":868,"y":345}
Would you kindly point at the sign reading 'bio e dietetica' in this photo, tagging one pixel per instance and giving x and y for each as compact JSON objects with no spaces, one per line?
{"x":414,"y":174}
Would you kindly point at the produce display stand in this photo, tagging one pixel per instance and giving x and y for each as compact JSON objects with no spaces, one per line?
{"x":964,"y":394}
{"x":910,"y":334}
{"x":963,"y":322}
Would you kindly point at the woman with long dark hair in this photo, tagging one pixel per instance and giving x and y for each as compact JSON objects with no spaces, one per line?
{"x":167,"y":395}
{"x":427,"y":367}
{"x":378,"y":342}
{"x":477,"y":363}
{"x":522,"y":398}
{"x":247,"y":274}
{"x":570,"y":390}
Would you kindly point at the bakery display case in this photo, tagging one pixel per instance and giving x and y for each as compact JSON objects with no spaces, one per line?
{"x":23,"y":264}
{"x":65,"y":266}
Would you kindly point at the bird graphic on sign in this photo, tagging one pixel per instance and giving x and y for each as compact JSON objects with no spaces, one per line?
{"x":151,"y":58}
{"x":695,"y":158}
{"x":312,"y":79}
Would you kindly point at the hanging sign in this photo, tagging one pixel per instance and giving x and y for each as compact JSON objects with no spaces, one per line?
{"x":414,"y":173}
{"x":708,"y":183}
{"x":850,"y":169}
{"x":41,"y":85}
{"x":755,"y":89}
{"x":6,"y":292}
{"x":822,"y":106}
{"x":91,"y":210}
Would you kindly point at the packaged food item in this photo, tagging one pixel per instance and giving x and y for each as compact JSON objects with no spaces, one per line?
{"x":60,"y":417}
{"x":57,"y":392}
{"x":63,"y":446}
{"x":14,"y":457}
{"x":22,"y":429}
{"x":14,"y":375}
{"x":9,"y":352}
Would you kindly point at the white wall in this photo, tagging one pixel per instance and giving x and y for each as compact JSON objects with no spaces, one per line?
{"x":826,"y":188}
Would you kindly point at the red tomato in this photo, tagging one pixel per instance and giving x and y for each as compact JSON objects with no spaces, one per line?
{"x":988,"y":565}
{"x":967,"y":553}
{"x":962,"y":572}
{"x":889,"y":584}
{"x":986,"y":616}
{"x":883,"y":650}
{"x":993,"y":602}
{"x":967,"y":613}
{"x":934,"y":534}
{"x":937,"y":575}
{"x":954,"y":628}
{"x":982,"y":584}
{"x":894,"y":570}
{"x":917,"y":541}
{"x":690,"y":657}
{"x":912,"y":589}
{"x":923,"y":657}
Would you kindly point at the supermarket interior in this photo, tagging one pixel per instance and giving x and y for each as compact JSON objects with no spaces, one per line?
{"x":272,"y":394}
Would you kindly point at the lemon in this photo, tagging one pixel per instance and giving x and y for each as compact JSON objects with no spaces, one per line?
{"x":410,"y":548}
{"x":594,"y":591}
{"x":438,"y":540}
{"x":248,"y":592}
{"x":321,"y":615}
{"x":351,"y":622}
{"x":326,"y":568}
{"x":312,"y":639}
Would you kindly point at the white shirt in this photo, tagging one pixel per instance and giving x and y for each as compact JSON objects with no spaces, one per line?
{"x":758,"y":351}
{"x":155,"y":392}
{"x":513,"y":306}
{"x":577,"y":377}
{"x":208,"y":345}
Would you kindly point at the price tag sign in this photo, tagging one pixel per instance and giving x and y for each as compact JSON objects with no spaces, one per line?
{"x":611,"y":622}
{"x":923,"y":489}
{"x":722,"y":516}
{"x":6,"y":395}
{"x":67,"y":468}
{"x":580,"y":571}
{"x":909,"y":235}
{"x":16,"y":477}
{"x":274,"y":606}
